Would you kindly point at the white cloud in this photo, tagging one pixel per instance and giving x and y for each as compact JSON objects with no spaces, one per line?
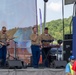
{"x":55,"y":6}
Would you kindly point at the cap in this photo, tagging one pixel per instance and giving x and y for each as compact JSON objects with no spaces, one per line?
{"x":72,"y":57}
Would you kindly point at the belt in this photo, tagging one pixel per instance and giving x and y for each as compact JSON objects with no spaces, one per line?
{"x":34,"y":45}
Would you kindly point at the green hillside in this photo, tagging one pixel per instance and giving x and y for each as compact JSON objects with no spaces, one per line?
{"x":56,"y":27}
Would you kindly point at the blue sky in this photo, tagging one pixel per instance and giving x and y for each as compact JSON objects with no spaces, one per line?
{"x":54,"y":9}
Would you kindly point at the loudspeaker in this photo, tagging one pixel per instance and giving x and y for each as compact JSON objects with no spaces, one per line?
{"x":66,"y":55}
{"x":68,"y":36}
{"x":12,"y":64}
{"x":59,"y":64}
{"x":67,"y":46}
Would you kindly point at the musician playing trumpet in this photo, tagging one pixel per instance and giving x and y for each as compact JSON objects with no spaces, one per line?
{"x":3,"y":43}
{"x":46,"y":39}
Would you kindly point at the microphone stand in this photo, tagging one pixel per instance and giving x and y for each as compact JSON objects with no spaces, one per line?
{"x":15,"y":53}
{"x":15,"y":50}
